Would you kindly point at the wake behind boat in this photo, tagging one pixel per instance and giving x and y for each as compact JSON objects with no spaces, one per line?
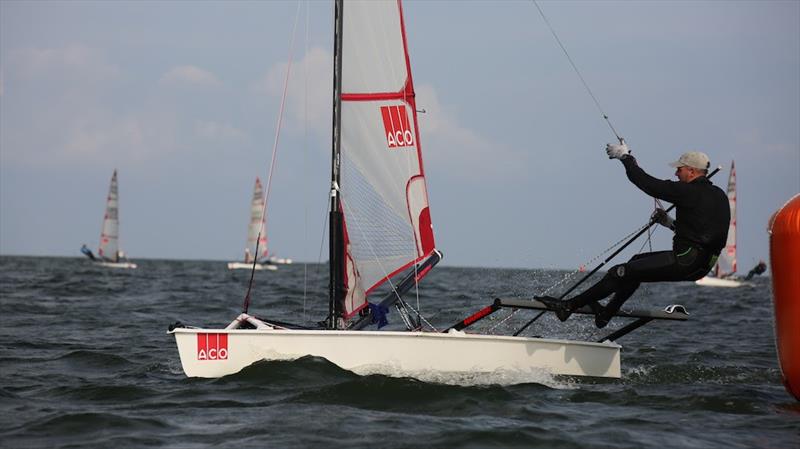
{"x":256,"y":236}
{"x":109,"y":254}
{"x":381,"y":235}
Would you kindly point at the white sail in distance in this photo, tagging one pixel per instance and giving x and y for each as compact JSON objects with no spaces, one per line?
{"x":109,"y":236}
{"x":384,"y":199}
{"x":257,"y":225}
{"x":726,"y":265}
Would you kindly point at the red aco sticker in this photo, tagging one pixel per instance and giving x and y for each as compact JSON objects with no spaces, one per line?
{"x":212,"y":346}
{"x":395,"y":123}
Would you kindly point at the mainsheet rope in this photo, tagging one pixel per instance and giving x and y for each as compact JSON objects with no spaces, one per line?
{"x":578,"y":72}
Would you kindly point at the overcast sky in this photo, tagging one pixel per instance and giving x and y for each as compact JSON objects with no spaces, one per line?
{"x":182,"y":98}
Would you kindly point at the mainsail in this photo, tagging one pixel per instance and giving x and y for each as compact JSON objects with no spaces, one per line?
{"x":383,"y":200}
{"x":726,"y":265}
{"x":109,"y":236}
{"x":256,"y":230}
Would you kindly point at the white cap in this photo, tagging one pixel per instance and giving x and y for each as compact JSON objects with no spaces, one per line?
{"x":694,"y":159}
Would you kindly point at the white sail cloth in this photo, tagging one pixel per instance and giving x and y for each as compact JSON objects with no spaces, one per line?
{"x":383,"y":192}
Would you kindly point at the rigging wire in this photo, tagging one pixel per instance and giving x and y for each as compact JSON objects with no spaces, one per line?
{"x":305,"y":159}
{"x":246,"y":304}
{"x":578,"y":72}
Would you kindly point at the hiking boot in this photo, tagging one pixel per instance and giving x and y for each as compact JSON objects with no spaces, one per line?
{"x":561,"y":308}
{"x":602,"y":317}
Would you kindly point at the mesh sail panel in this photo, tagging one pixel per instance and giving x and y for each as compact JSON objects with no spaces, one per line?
{"x":380,"y":240}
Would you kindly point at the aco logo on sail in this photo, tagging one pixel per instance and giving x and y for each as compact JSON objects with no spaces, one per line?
{"x":212,"y":346}
{"x":398,"y":131}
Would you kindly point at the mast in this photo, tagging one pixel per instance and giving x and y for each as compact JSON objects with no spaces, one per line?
{"x":335,"y":241}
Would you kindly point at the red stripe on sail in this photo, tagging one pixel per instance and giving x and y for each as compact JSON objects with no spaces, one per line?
{"x":426,"y":230}
{"x":374,"y":96}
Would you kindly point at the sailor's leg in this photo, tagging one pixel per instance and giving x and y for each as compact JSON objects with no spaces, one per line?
{"x":604,"y":315}
{"x":604,"y":287}
{"x":563,"y":309}
{"x":621,"y":279}
{"x":647,"y":267}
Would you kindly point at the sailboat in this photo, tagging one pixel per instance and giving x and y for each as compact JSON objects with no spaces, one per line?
{"x":109,"y":254}
{"x":381,"y":237}
{"x":724,"y":272}
{"x":256,"y":235}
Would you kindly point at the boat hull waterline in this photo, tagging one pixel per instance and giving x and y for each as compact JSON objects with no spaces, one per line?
{"x":249,"y":266}
{"x":709,"y":281}
{"x":128,"y":265}
{"x":212,"y":353}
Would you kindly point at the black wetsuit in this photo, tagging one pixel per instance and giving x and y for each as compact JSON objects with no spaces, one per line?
{"x":701,"y":230}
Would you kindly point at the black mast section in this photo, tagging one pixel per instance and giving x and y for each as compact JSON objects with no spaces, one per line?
{"x":335,"y":240}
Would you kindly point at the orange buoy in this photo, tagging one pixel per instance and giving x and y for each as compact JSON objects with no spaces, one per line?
{"x":784,"y":252}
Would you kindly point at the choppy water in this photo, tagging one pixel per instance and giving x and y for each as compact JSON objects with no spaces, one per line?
{"x":85,"y":362}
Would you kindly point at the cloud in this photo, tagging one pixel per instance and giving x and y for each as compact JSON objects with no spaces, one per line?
{"x":755,"y":138}
{"x":187,"y":75}
{"x":75,"y":63}
{"x":71,"y":107}
{"x":308,"y":92}
{"x":214,"y":130}
{"x":444,"y":139}
{"x":92,"y":138}
{"x":96,"y":136}
{"x":465,"y":152}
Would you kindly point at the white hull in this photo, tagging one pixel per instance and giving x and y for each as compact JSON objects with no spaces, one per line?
{"x":249,"y":266}
{"x":718,"y":282}
{"x":129,"y":265}
{"x":279,"y":260}
{"x":394,"y":353}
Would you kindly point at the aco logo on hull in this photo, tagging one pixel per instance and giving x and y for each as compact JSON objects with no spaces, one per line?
{"x":212,"y":346}
{"x":399,"y":133}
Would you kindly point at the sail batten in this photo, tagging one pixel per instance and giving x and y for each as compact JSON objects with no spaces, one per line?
{"x":383,"y":195}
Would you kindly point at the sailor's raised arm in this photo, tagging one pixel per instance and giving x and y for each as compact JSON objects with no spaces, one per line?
{"x":662,"y":189}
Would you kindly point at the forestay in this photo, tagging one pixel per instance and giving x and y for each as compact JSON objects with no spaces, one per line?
{"x":384,"y":200}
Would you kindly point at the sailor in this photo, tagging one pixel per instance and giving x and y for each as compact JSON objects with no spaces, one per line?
{"x":758,"y":269}
{"x":700,"y":225}
{"x":87,"y":252}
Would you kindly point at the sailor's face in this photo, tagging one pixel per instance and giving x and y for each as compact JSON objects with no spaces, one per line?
{"x":684,"y":173}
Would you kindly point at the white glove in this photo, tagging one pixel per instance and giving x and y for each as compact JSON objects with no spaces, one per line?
{"x":616,"y":151}
{"x":661,"y":217}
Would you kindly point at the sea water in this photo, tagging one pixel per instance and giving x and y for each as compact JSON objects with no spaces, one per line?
{"x":86,"y":362}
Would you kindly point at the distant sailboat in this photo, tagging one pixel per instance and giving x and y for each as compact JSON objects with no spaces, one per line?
{"x":109,"y":254}
{"x":724,"y":272}
{"x":256,"y":235}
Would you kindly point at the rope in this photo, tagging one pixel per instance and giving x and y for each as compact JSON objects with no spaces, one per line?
{"x":572,"y":274}
{"x":306,"y":195}
{"x":575,"y":67}
{"x":246,"y":304}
